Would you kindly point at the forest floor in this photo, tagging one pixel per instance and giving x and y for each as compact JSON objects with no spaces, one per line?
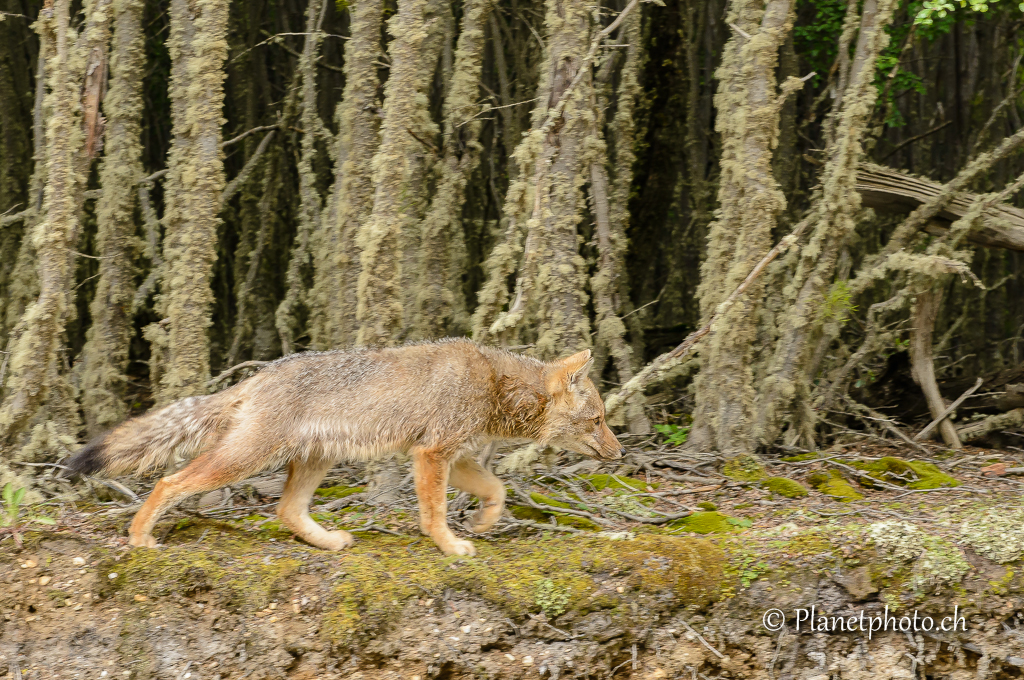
{"x":579,"y":590}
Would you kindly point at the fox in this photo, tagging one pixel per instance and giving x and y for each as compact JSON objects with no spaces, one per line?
{"x":439,"y":402}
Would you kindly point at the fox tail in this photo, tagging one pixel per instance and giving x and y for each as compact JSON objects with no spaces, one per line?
{"x":184,"y":428}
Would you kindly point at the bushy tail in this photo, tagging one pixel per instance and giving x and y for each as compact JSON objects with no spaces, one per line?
{"x":184,"y":428}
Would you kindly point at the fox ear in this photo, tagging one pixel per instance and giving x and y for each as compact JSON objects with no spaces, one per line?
{"x":570,"y":371}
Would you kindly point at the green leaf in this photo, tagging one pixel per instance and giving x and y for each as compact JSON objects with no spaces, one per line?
{"x":9,"y":493}
{"x":18,"y":495}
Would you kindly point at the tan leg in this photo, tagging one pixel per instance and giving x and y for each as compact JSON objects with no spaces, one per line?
{"x":469,"y":476}
{"x":206,"y":473}
{"x":293,"y":510}
{"x":430,"y":468}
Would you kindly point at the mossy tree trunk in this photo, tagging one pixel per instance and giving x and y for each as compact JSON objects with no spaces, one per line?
{"x":834,"y":213}
{"x":750,"y":202}
{"x":193,"y":189}
{"x":105,"y":355}
{"x":437,"y":307}
{"x":309,"y":199}
{"x":36,"y":340}
{"x":397,"y":199}
{"x":337,"y":263}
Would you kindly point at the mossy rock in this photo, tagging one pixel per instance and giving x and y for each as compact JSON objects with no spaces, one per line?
{"x":552,"y":573}
{"x":336,"y":492}
{"x":602,"y":482}
{"x":909,"y":473}
{"x":706,"y":505}
{"x":784,"y":486}
{"x":712,"y":522}
{"x":831,"y":483}
{"x":744,"y":469}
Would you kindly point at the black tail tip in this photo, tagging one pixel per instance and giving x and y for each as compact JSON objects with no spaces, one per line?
{"x":88,"y":460}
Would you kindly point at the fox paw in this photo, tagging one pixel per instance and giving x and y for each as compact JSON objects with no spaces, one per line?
{"x":458,"y":547}
{"x":477,"y":526}
{"x":146,"y":541}
{"x":336,"y":540}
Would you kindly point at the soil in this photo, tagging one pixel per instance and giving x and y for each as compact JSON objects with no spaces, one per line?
{"x":231,"y":595}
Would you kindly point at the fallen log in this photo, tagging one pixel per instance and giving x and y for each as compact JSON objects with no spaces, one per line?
{"x":886,"y":189}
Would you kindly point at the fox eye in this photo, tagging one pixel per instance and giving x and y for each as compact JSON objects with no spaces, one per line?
{"x":596,"y":421}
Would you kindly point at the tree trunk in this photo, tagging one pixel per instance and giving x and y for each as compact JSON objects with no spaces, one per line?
{"x":105,"y":355}
{"x":36,"y":339}
{"x":436,"y":304}
{"x":193,"y":189}
{"x":563,"y":325}
{"x":337,"y":265}
{"x":309,"y":199}
{"x":749,"y":202}
{"x":925,"y":312}
{"x":396,"y":199}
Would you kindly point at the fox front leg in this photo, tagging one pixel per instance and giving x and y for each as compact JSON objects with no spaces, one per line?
{"x":469,"y":476}
{"x":430,"y":468}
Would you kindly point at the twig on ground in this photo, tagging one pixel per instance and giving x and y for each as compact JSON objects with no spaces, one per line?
{"x":952,"y":407}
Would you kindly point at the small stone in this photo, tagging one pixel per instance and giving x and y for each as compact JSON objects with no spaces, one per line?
{"x":466,"y":629}
{"x":140,"y":598}
{"x":81,"y":571}
{"x":428,"y":602}
{"x":273,"y":605}
{"x":78,"y":561}
{"x":112,"y":575}
{"x":620,"y":589}
{"x":296,"y":608}
{"x":510,"y":657}
{"x":187,"y":676}
{"x":29,"y":564}
{"x":272,"y":619}
{"x":415,"y":677}
{"x":453,"y":638}
{"x":488,"y":629}
{"x":527,"y":660}
{"x":103,"y":674}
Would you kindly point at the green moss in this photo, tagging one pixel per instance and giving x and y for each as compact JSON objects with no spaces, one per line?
{"x":831,"y":483}
{"x":802,"y":457}
{"x":744,"y":469}
{"x":707,"y":523}
{"x":549,"y":573}
{"x":601,"y":482}
{"x":912,"y":474}
{"x":783,"y":486}
{"x":234,"y":564}
{"x":339,"y":491}
{"x":705,"y":505}
{"x":537,"y":515}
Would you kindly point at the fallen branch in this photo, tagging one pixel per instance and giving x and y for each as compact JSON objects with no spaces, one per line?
{"x":661,"y":365}
{"x":1003,"y":421}
{"x":952,"y":407}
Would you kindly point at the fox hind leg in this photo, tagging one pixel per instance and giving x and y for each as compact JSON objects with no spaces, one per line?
{"x":206,"y":473}
{"x":293,"y":510}
{"x":430,"y":469}
{"x":469,"y":476}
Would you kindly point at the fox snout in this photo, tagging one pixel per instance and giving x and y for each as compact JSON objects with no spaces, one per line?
{"x":609,"y":447}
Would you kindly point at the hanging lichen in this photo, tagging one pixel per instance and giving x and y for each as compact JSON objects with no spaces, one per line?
{"x":105,"y":355}
{"x":193,"y":189}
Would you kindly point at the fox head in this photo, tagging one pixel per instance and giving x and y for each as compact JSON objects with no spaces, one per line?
{"x":574,"y":417}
